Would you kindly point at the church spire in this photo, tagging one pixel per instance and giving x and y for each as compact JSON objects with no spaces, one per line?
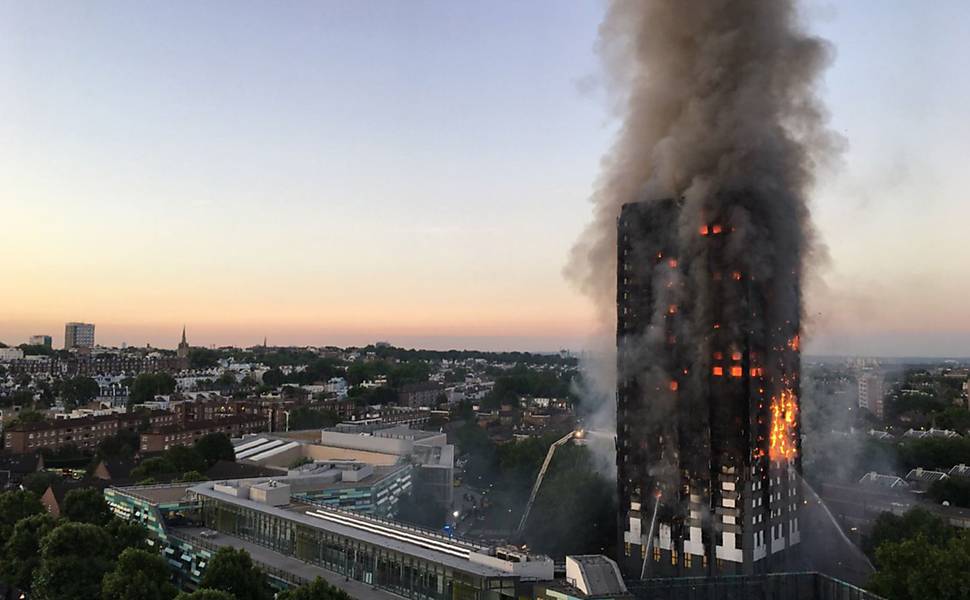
{"x":183,"y":349}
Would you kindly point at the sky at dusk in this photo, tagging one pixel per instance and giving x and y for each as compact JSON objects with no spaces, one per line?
{"x":341,"y":172}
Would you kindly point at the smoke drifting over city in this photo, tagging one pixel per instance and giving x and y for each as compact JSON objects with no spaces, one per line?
{"x":719,"y":108}
{"x":715,"y":96}
{"x":700,"y":238}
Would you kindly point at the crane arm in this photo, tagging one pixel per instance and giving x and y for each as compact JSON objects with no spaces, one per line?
{"x":542,"y":473}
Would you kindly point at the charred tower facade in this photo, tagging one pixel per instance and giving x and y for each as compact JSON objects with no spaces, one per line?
{"x":708,"y":443}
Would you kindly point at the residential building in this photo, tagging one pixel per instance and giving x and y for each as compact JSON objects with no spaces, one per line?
{"x":115,"y":470}
{"x":415,"y":395}
{"x":708,"y":443}
{"x":337,"y":386}
{"x":878,"y":480}
{"x":871,"y":392}
{"x":41,"y":340}
{"x":85,"y":432}
{"x":14,"y":467}
{"x":921,"y":479}
{"x":960,"y":470}
{"x":78,"y":335}
{"x":158,"y":439}
{"x":919,"y":434}
{"x":11,"y":354}
{"x":101,"y":363}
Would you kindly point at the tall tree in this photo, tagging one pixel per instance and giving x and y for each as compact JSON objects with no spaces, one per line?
{"x":126,"y":534}
{"x":138,"y":575}
{"x":205,"y":594}
{"x":21,"y":553}
{"x":318,"y":589}
{"x":214,"y":447}
{"x":15,"y":506}
{"x":146,"y":386}
{"x":185,"y":458}
{"x":920,"y":569}
{"x":74,"y":557}
{"x":86,"y":505}
{"x":233,"y":571}
{"x":76,"y":391}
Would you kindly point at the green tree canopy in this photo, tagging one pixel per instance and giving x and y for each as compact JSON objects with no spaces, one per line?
{"x":38,"y":482}
{"x":21,"y":553}
{"x":214,"y":447}
{"x":126,"y":534}
{"x":14,"y":506}
{"x":146,"y":386}
{"x":86,"y":505}
{"x":305,"y":417}
{"x":920,"y":569}
{"x":123,"y":444}
{"x":203,"y":358}
{"x":152,"y":468}
{"x":138,"y":575}
{"x":890,"y":528}
{"x":575,"y":511}
{"x":318,"y":589}
{"x":192,"y":476}
{"x":233,"y":571}
{"x":78,"y":390}
{"x":185,"y":458}
{"x":955,"y":490}
{"x":205,"y":594}
{"x":74,"y":557}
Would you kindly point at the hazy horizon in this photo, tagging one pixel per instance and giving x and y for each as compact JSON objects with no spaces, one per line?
{"x":338,"y":173}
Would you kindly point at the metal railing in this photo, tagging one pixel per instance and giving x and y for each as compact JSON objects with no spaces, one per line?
{"x":430,"y":533}
{"x":277,"y":573}
{"x":772,"y":586}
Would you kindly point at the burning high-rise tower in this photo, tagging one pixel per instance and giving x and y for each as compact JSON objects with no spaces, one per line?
{"x":707,"y":400}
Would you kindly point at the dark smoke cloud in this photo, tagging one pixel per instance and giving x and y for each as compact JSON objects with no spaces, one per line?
{"x":718,"y":102}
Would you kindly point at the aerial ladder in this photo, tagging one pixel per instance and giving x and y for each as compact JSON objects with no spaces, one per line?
{"x":542,"y":473}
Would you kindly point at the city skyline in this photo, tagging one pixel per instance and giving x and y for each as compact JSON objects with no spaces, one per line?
{"x":328,"y":176}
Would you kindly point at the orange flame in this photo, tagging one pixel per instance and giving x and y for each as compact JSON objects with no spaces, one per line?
{"x":783,"y":435}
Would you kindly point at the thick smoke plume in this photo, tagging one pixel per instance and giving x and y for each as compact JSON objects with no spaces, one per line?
{"x":719,"y":108}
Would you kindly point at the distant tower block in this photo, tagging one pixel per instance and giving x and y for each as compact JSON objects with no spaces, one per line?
{"x":78,"y":335}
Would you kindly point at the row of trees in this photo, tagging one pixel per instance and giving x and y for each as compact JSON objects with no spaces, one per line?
{"x":186,"y":463}
{"x":919,"y":557}
{"x":67,"y":557}
{"x":88,"y":554}
{"x":524,"y":381}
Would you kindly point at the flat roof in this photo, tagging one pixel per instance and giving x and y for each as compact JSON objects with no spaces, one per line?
{"x":379,"y":533}
{"x":287,"y":564}
{"x":159,"y":494}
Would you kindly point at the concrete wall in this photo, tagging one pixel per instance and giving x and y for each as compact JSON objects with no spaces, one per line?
{"x":367,"y":443}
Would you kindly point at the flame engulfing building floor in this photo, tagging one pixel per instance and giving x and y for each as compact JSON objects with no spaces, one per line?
{"x":708,"y":443}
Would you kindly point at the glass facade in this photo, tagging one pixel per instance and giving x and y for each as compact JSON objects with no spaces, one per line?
{"x":379,"y":499}
{"x":403,"y":574}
